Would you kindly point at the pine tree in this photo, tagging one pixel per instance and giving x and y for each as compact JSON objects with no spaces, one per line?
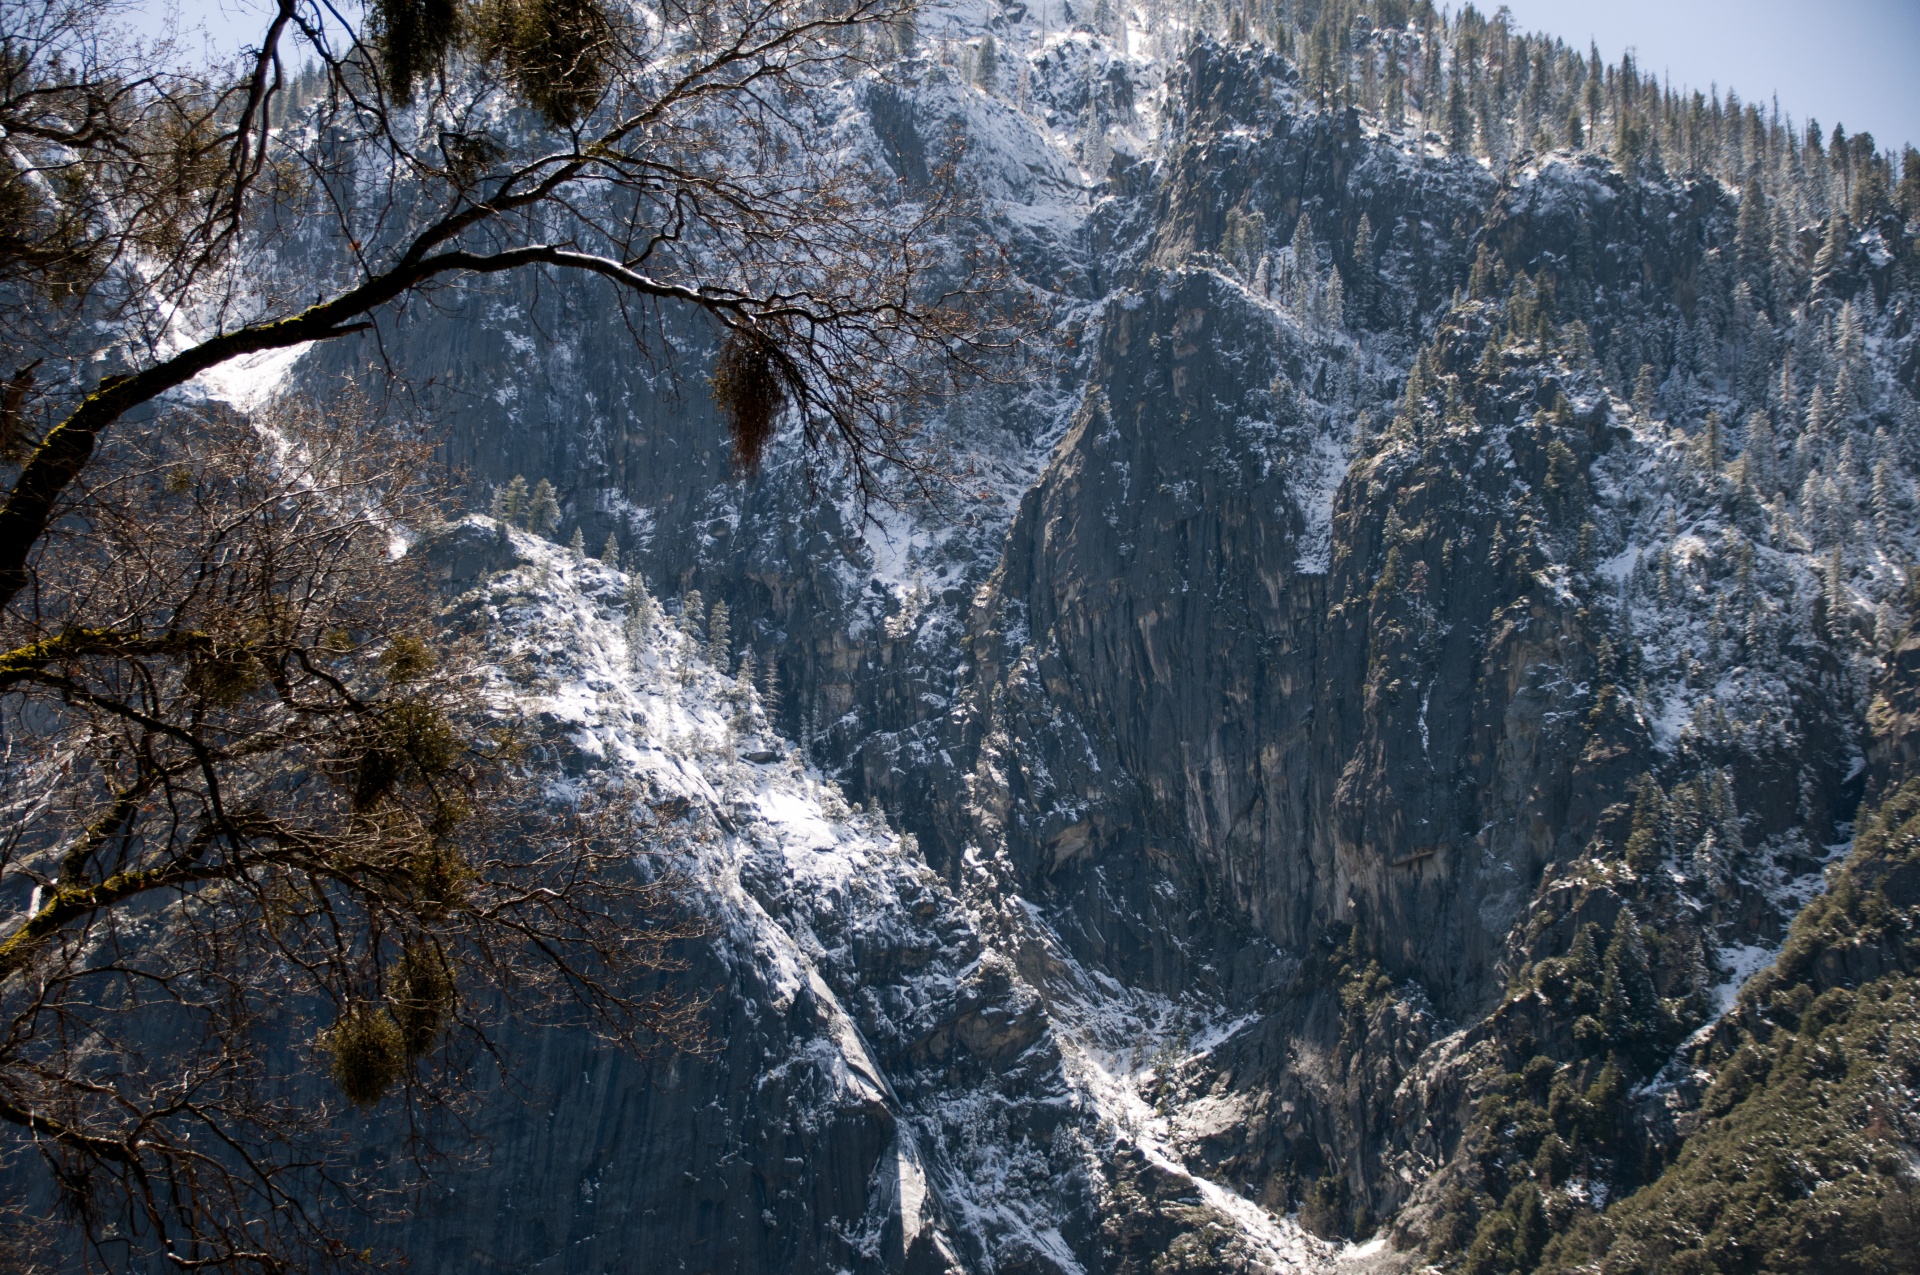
{"x":1646,"y":388}
{"x":610,"y":553}
{"x":1757,"y":358}
{"x":1530,"y":1227}
{"x":987,"y":71}
{"x":1646,"y":843}
{"x":770,"y":687}
{"x":1430,"y":83}
{"x":1336,"y":300}
{"x":1304,"y":268}
{"x":1487,"y":370}
{"x":1881,"y":501}
{"x":1710,"y":445}
{"x":1630,"y":1008}
{"x":1459,"y":117}
{"x":691,"y":607}
{"x":1579,"y":342}
{"x":510,"y":502}
{"x":1819,"y":414}
{"x":577,"y":547}
{"x":1596,"y":100}
{"x":1833,"y":249}
{"x":1364,"y":286}
{"x":543,"y":510}
{"x":640,"y":607}
{"x":1563,"y":469}
{"x":1583,"y":957}
{"x":1480,"y":278}
{"x":1789,"y":273}
{"x":1391,"y":571}
{"x":1813,"y":504}
{"x":1852,"y":381}
{"x":1753,"y":239}
{"x":720,"y":637}
{"x":641,"y":613}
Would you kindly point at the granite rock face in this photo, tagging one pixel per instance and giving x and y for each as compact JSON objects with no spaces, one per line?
{"x":1239,"y":743}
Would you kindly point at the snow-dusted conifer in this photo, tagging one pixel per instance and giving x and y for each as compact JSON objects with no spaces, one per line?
{"x":543,"y":510}
{"x":720,"y":637}
{"x":1459,"y":116}
{"x":1789,"y":274}
{"x":1834,"y":587}
{"x":1712,"y":443}
{"x":1833,"y":248}
{"x":770,"y":687}
{"x":1579,"y":344}
{"x":641,"y":611}
{"x":1724,"y":813}
{"x":1753,"y":236}
{"x":1304,"y":266}
{"x":1646,"y":388}
{"x":1480,"y":277}
{"x":640,"y":616}
{"x":610,"y":552}
{"x":986,"y":71}
{"x":510,"y":502}
{"x":1881,"y":501}
{"x":1363,"y":286}
{"x":577,"y":547}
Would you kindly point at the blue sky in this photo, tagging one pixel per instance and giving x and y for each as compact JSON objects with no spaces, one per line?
{"x":1851,"y":62}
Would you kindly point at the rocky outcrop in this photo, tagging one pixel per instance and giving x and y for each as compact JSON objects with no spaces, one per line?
{"x":1302,"y":710}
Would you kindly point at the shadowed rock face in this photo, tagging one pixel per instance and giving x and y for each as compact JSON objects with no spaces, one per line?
{"x":1231,"y":738}
{"x":698,"y":1158}
{"x":1893,"y":755}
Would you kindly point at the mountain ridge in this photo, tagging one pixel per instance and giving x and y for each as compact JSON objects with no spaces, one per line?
{"x":1367,"y":637}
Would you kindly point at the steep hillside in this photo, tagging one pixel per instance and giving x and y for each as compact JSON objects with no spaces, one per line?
{"x":885,"y":1089}
{"x":1376,"y":692}
{"x":1799,"y":1156}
